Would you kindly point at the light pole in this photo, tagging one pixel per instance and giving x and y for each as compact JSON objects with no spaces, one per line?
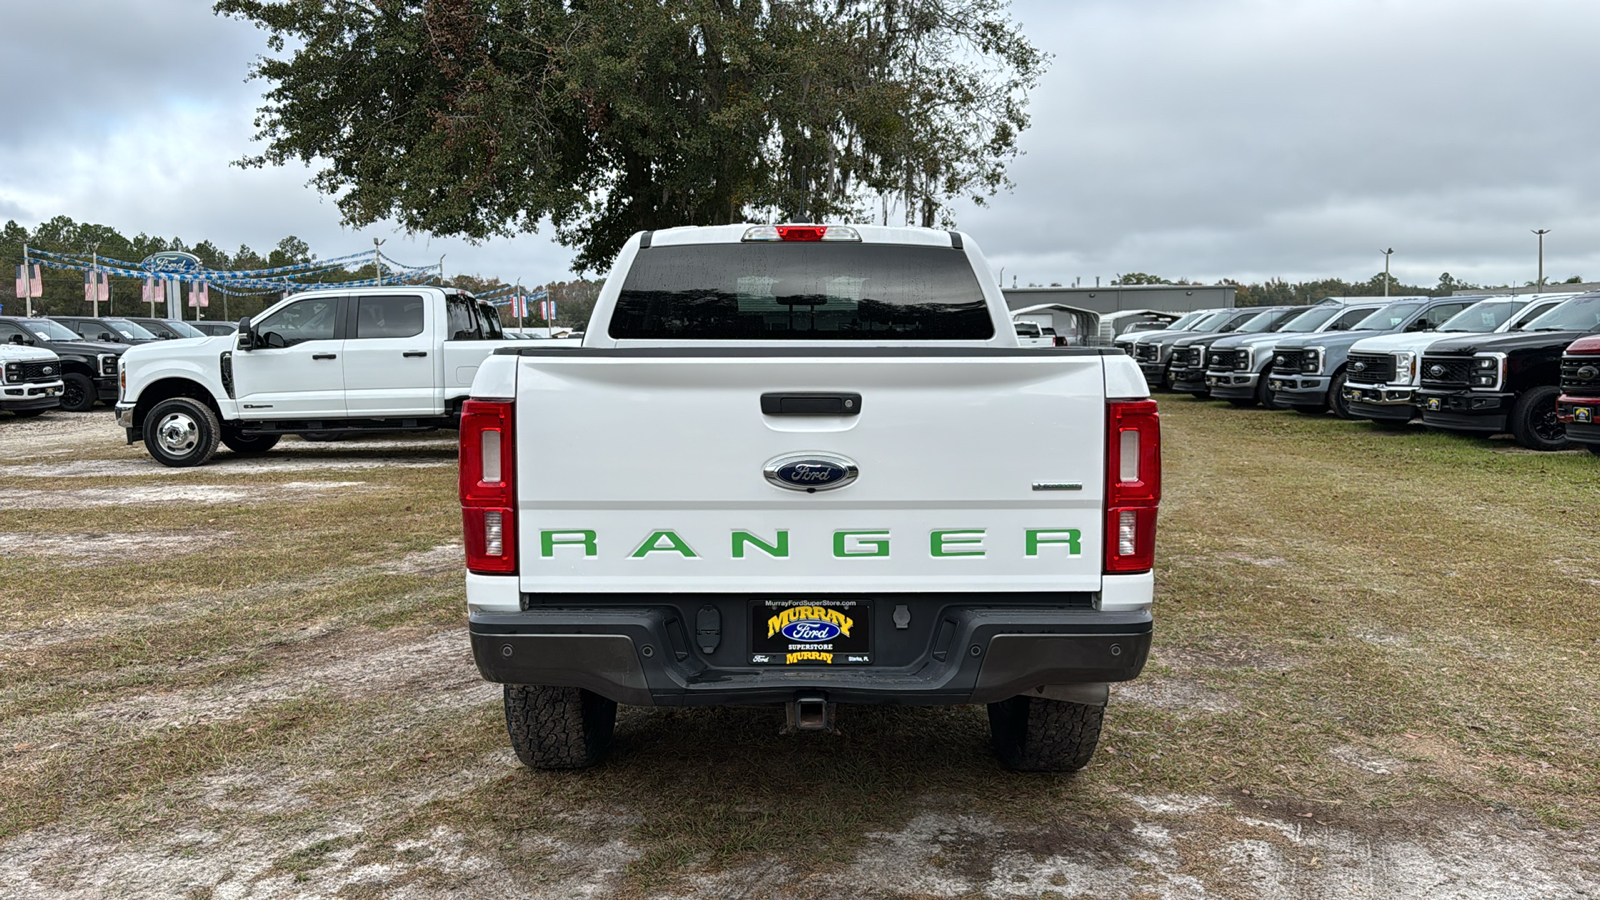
{"x":1541,"y":232}
{"x":1386,"y":254}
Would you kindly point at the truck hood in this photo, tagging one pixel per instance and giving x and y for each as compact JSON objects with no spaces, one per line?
{"x":1204,"y":340}
{"x":1230,"y":341}
{"x":1467,"y":345}
{"x":182,"y":348}
{"x":1415,"y":342}
{"x":88,"y":347}
{"x":23,"y":353}
{"x":1326,"y":339}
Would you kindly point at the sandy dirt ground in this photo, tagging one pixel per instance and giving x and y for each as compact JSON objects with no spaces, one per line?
{"x":190,"y":707}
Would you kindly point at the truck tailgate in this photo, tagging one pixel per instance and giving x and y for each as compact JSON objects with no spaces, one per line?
{"x":645,"y":471}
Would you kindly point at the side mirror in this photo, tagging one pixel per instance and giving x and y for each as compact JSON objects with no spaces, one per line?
{"x":274,"y":340}
{"x":16,"y":339}
{"x":247,"y":338}
{"x":107,"y":337}
{"x":1419,"y":325}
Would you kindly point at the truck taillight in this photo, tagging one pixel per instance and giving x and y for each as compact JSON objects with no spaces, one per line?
{"x":488,"y":486}
{"x":1133,"y":485}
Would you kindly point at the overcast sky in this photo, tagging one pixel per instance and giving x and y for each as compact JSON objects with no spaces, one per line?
{"x":1245,"y":139}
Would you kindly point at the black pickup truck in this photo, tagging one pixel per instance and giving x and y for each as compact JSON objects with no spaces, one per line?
{"x":1506,"y":382}
{"x":89,"y":368}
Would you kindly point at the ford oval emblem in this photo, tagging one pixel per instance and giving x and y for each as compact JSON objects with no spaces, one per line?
{"x":1358,"y":367}
{"x":810,"y":631}
{"x":1436,"y":370}
{"x":49,"y":370}
{"x":1586,"y":373}
{"x":1278,"y":360}
{"x":811,"y":472}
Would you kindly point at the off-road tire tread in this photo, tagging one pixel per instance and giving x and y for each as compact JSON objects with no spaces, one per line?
{"x":210,"y":433}
{"x":1522,"y":414}
{"x":558,"y":727}
{"x":1035,"y":734}
{"x":249,"y":445}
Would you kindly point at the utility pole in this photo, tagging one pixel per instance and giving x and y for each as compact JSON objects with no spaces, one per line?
{"x":1541,"y":232}
{"x":1386,"y":254}
{"x":377,"y":260}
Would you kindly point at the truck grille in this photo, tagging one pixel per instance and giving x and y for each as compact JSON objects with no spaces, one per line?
{"x":1581,"y":373}
{"x":1445,"y":371}
{"x":1371,"y":368}
{"x":33,"y":371}
{"x":1287,"y":362}
{"x":1222,"y":360}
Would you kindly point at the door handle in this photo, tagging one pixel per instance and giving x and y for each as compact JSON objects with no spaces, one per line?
{"x":324,"y":356}
{"x":414,"y":353}
{"x":810,"y":403}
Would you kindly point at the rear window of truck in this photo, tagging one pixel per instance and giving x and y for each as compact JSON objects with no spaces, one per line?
{"x":801,"y":291}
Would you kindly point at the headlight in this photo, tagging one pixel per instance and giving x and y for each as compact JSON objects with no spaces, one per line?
{"x":108,"y":364}
{"x":1488,"y":371}
{"x":1311,"y":363}
{"x":1244,"y":360}
{"x":12,"y":372}
{"x":1405,"y":367}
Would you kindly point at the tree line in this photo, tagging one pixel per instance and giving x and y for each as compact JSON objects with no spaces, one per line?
{"x":63,"y":289}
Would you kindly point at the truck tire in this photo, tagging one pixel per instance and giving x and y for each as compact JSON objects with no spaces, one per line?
{"x":558,"y":727}
{"x":248,"y":445}
{"x":1034,"y":734}
{"x":1336,"y":400}
{"x":1533,"y":420}
{"x":1265,"y":395}
{"x":77,"y":392}
{"x":181,"y":432}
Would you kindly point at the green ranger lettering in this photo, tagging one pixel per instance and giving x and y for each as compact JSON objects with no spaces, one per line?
{"x":780,"y":550}
{"x":1071,"y":537}
{"x":876,"y":541}
{"x":549,"y":540}
{"x":950,"y":543}
{"x":674,"y":544}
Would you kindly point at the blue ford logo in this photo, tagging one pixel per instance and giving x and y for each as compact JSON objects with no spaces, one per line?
{"x":811,"y":472}
{"x":810,"y":631}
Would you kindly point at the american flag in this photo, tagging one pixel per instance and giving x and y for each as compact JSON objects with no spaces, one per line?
{"x":199,"y":294}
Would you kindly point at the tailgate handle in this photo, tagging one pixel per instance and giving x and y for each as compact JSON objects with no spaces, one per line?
{"x":810,"y":403}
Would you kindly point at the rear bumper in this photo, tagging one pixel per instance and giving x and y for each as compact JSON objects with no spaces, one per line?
{"x":1465,"y":410}
{"x":43,"y":395}
{"x":642,"y":655}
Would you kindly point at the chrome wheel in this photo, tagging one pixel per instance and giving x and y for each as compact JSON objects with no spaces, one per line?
{"x":178,"y":433}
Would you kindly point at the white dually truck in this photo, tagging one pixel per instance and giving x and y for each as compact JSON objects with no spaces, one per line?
{"x":808,"y":465}
{"x":328,"y":362}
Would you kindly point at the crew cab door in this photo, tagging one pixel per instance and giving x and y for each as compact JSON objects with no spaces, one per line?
{"x":300,"y":373}
{"x":391,"y":363}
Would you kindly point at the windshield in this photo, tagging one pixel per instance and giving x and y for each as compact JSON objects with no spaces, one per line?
{"x":1310,"y":320}
{"x":130,"y":330}
{"x":801,"y":291}
{"x":1264,"y":322}
{"x":185,"y":329}
{"x":1182,"y":323}
{"x":46,"y":330}
{"x":1532,"y":312}
{"x":1392,"y":316}
{"x":1211,"y":323}
{"x":1577,"y":314}
{"x":1482,"y":317}
{"x":1027,"y":328}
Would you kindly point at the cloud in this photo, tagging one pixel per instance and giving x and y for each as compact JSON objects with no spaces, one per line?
{"x":1223,"y":138}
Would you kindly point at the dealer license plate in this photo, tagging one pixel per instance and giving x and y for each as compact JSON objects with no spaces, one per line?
{"x":810,"y":633}
{"x":1435,"y":404}
{"x":1583,"y":413}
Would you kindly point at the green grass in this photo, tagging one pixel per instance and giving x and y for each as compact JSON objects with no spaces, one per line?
{"x":1332,"y":600}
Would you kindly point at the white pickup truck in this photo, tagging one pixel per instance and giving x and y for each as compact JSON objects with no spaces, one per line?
{"x":808,"y":465}
{"x":30,"y":380}
{"x":395,"y":358}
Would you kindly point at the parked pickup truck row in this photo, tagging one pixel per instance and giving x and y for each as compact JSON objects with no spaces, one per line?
{"x":806,"y":465}
{"x":1471,"y":363}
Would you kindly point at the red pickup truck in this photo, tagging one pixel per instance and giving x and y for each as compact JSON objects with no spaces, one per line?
{"x":1579,"y":403}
